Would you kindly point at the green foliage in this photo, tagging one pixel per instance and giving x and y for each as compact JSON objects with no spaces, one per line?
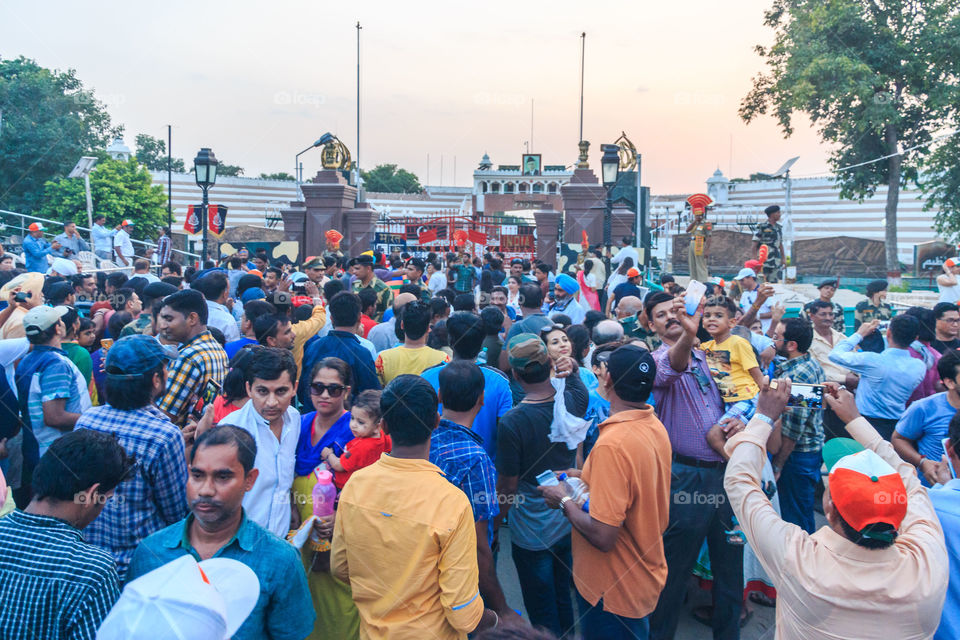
{"x":118,"y":189}
{"x":899,"y":288}
{"x":874,"y":76}
{"x":283,"y":175}
{"x":152,"y":153}
{"x":49,"y":122}
{"x":386,"y":178}
{"x":228,"y":171}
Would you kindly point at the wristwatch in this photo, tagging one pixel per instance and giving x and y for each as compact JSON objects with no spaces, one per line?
{"x":563,"y":502}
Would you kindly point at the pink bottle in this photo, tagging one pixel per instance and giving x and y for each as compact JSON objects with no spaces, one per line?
{"x":324,"y":494}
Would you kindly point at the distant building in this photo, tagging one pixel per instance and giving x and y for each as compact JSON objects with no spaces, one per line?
{"x":509,"y":188}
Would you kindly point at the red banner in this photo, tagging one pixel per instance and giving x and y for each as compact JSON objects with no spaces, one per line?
{"x":477,"y":237}
{"x":427,"y":236}
{"x":216,"y":218}
{"x":192,"y":223}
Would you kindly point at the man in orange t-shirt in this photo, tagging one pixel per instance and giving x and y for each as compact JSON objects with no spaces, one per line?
{"x":619,"y":566}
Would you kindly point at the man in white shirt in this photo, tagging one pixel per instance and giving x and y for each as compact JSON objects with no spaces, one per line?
{"x":275,"y":427}
{"x":122,"y":245}
{"x":626,"y":251}
{"x":214,"y":286}
{"x":436,"y":279}
{"x":750,"y":286}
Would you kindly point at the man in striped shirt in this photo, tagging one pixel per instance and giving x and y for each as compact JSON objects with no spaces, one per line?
{"x":53,"y":585}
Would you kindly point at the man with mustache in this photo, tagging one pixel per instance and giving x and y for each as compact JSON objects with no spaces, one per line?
{"x":689,"y":404}
{"x":221,"y":473}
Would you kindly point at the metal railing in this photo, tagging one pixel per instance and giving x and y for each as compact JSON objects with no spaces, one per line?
{"x":23,"y":221}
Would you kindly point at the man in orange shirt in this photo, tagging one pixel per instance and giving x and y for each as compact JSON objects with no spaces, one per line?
{"x":619,"y":566}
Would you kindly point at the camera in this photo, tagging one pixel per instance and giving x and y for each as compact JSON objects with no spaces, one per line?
{"x":22,"y":296}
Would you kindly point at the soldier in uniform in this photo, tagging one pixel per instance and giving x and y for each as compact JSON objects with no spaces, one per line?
{"x":873,"y":308}
{"x":770,"y":233}
{"x":699,"y":230}
{"x":367,"y":279}
{"x":827,"y":289}
{"x":413,"y":273}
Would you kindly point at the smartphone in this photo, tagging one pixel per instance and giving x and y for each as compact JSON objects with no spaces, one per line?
{"x":547,"y":479}
{"x":210,"y":393}
{"x":693,"y":296}
{"x":946,"y":447}
{"x":883,"y":326}
{"x":806,"y":396}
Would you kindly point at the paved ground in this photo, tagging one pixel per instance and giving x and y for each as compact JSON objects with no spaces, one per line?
{"x":760,"y":626}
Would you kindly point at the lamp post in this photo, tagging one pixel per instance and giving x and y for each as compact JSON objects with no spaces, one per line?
{"x":205,"y":171}
{"x":297,"y":167}
{"x":610,"y":169}
{"x":82,"y":170}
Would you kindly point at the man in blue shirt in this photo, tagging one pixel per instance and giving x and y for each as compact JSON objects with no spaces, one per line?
{"x":887,"y":379}
{"x":466,"y":339}
{"x":946,"y":502}
{"x":341,"y":342}
{"x":36,"y":249}
{"x":920,"y":432}
{"x":221,"y":472}
{"x":456,"y":449}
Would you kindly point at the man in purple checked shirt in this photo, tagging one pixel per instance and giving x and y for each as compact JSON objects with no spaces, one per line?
{"x":689,"y":404}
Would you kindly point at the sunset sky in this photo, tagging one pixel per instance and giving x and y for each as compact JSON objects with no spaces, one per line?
{"x":258,"y":82}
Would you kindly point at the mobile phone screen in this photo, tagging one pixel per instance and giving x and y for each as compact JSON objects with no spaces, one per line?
{"x":693,"y":295}
{"x":806,"y":396}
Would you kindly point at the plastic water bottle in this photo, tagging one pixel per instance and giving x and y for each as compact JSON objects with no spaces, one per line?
{"x":581,"y":492}
{"x":482,"y":357}
{"x":324,"y":495}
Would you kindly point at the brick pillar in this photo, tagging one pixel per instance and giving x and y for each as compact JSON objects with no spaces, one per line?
{"x":326,"y":200}
{"x":584,"y":200}
{"x":548,"y":234}
{"x":360,"y":224}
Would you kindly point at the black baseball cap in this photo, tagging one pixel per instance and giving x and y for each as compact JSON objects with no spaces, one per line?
{"x":633,"y":371}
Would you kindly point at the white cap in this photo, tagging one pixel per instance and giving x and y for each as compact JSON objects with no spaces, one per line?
{"x":184,"y":600}
{"x":41,"y":318}
{"x":746,"y":272}
{"x":63,"y":266}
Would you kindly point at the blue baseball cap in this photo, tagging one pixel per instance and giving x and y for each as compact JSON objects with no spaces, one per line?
{"x":136,"y":355}
{"x":253,"y":293}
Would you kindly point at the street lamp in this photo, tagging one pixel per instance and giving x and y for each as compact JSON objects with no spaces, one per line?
{"x":82,"y":170}
{"x":205,"y":171}
{"x":610,"y":169}
{"x":322,"y":140}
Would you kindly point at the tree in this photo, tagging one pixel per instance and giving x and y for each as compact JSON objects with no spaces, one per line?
{"x":874,"y":76}
{"x":277,"y":176}
{"x":152,"y":153}
{"x":386,"y":178}
{"x":49,"y":122}
{"x":229,"y":170}
{"x":118,"y":189}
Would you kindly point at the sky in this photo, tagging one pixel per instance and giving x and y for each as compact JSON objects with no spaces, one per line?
{"x":258,"y":82}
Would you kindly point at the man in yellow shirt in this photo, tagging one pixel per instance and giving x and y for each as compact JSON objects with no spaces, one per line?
{"x":413,"y":356}
{"x":411,"y":562}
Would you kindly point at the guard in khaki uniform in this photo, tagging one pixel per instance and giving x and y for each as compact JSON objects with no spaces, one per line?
{"x":699,"y":230}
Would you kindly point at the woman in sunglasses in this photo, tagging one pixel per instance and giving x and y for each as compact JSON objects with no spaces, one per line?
{"x":328,"y":426}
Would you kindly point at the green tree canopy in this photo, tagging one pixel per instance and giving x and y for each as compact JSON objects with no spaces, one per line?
{"x":874,"y":76}
{"x":152,"y":153}
{"x":49,"y":121}
{"x":386,"y":178}
{"x":118,"y":189}
{"x":229,"y":170}
{"x":277,"y":176}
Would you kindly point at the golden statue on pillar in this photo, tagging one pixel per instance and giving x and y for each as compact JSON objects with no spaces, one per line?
{"x":335,"y":155}
{"x":583,"y":160}
{"x":627,"y":153}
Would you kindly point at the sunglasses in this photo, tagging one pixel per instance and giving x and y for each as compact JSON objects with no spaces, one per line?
{"x":334,"y":390}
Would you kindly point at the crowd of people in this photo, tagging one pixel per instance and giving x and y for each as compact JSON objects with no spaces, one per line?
{"x":336,"y":449}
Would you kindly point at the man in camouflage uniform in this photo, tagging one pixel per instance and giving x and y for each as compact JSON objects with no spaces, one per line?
{"x":827,"y":289}
{"x":770,"y":233}
{"x":413,"y":273}
{"x":367,"y":279}
{"x":873,"y":308}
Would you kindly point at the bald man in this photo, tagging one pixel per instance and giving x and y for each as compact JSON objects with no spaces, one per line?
{"x":634,"y":323}
{"x":386,"y":335}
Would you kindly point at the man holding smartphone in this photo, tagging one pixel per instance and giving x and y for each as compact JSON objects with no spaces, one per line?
{"x":797,"y":464}
{"x":919,"y":433}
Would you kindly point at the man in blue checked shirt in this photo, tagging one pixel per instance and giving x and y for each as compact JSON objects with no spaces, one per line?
{"x":458,"y":450}
{"x":155,"y":495}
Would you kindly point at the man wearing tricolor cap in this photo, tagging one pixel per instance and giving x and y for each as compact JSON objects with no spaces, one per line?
{"x":880,"y":567}
{"x":948,"y":282}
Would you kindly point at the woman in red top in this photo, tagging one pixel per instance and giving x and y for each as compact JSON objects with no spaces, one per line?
{"x":234,"y":394}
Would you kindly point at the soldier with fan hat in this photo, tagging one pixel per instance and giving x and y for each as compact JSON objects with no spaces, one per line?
{"x":699,"y":230}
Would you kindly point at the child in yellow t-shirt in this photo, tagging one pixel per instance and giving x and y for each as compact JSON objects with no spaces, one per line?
{"x":731,"y":359}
